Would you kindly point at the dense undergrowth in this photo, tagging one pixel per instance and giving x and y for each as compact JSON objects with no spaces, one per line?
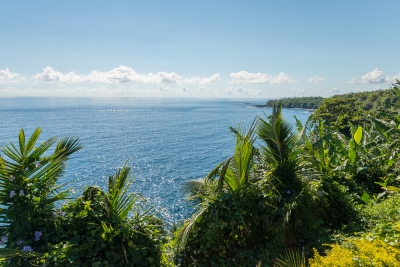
{"x":308,"y":194}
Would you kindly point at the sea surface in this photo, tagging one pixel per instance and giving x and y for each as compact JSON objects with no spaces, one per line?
{"x":165,"y":141}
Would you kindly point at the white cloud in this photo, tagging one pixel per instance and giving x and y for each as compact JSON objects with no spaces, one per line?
{"x":375,"y":76}
{"x":9,"y":77}
{"x":316,"y":80}
{"x":215,"y":78}
{"x":261,"y":78}
{"x":122,"y":74}
{"x":334,"y":90}
{"x":50,"y":75}
{"x":298,"y":91}
{"x":392,"y":79}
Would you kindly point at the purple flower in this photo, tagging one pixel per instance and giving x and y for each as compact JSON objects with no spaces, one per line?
{"x":38,"y":164}
{"x":19,"y":242}
{"x":27,"y":248}
{"x":21,"y":193}
{"x":4,"y":239}
{"x":12,"y":193}
{"x":38,"y":234}
{"x":288,"y":192}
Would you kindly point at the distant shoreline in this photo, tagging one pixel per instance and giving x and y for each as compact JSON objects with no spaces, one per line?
{"x":266,"y":106}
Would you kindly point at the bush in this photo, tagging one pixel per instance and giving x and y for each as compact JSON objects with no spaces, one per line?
{"x":358,"y":252}
{"x":232,"y":231}
{"x":96,"y":232}
{"x":112,"y":228}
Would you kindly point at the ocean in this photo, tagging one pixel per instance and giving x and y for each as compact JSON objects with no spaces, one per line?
{"x":165,"y":141}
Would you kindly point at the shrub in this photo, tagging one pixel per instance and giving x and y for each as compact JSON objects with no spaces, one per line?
{"x":358,"y":252}
{"x":98,"y":230}
{"x":28,"y":191}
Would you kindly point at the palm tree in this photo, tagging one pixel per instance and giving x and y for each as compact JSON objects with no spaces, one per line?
{"x":280,"y":155}
{"x":120,"y":221}
{"x":231,"y":177}
{"x":117,"y":202}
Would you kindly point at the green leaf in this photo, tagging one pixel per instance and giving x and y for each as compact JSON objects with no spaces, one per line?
{"x":390,"y":162}
{"x":352,"y":156}
{"x":358,"y":135}
{"x":365,"y":197}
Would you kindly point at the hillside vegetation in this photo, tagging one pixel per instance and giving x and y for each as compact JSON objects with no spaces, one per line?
{"x":306,"y":102}
{"x":357,"y":108}
{"x":285,"y":192}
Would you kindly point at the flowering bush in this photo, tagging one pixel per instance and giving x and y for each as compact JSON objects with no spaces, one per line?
{"x":358,"y":252}
{"x":28,"y":192}
{"x":98,"y":229}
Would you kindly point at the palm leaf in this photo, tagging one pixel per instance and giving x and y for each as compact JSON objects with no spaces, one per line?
{"x":291,"y":258}
{"x":184,"y":232}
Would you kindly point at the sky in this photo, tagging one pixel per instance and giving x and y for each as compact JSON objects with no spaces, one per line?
{"x":244,"y":49}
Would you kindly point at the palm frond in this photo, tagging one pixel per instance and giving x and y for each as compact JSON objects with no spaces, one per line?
{"x":193,"y":189}
{"x":277,"y":134}
{"x":291,"y":258}
{"x":68,"y":146}
{"x":120,"y":201}
{"x":185,"y":231}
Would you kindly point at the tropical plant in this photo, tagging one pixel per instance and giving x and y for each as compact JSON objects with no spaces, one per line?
{"x":291,"y":258}
{"x":112,"y":228}
{"x":29,"y":190}
{"x":254,"y":196}
{"x":294,"y":186}
{"x":230,"y":211}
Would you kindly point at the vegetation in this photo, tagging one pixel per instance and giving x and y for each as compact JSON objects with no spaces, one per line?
{"x":296,"y":192}
{"x":357,"y":108}
{"x":286,"y":192}
{"x":305,"y":102}
{"x":100,"y":228}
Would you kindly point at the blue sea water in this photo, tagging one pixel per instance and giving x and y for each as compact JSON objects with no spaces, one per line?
{"x":166,"y":141}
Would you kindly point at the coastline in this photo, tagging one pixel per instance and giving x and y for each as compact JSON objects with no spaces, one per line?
{"x":266,"y":106}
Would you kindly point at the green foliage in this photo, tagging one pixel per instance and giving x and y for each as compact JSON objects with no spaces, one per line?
{"x":28,"y":191}
{"x":113,"y":228}
{"x":341,"y":110}
{"x":225,"y":228}
{"x":311,"y":186}
{"x":98,"y":230}
{"x":254,"y":204}
{"x":304,"y":102}
{"x":380,"y":212}
{"x":279,"y":193}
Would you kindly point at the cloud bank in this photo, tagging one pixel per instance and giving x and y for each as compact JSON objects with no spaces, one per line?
{"x":316,"y":80}
{"x":375,"y":76}
{"x":9,"y":77}
{"x":259,"y":78}
{"x":122,"y":74}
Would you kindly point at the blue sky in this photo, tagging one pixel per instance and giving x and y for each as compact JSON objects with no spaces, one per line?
{"x":197,"y":48}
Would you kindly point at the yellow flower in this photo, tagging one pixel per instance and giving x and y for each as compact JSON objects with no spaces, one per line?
{"x":358,"y":252}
